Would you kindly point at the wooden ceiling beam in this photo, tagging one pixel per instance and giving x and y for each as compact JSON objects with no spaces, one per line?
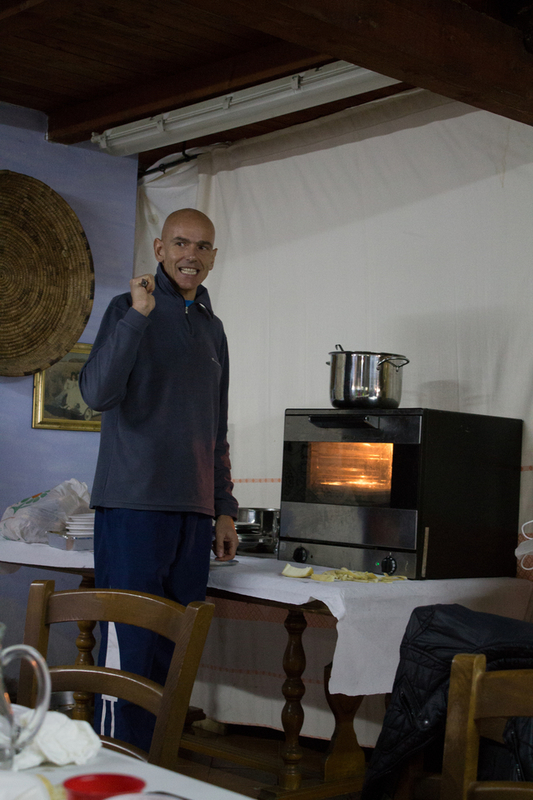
{"x":445,"y":46}
{"x":76,"y":123}
{"x":10,"y":9}
{"x":16,"y":17}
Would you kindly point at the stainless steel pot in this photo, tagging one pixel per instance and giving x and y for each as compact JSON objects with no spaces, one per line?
{"x":361,"y":379}
{"x":258,"y":521}
{"x":257,"y":528}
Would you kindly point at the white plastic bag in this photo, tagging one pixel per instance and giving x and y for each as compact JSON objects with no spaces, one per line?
{"x":31,"y":518}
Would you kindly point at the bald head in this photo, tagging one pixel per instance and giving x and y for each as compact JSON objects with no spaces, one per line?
{"x":186,"y":249}
{"x":189,"y":215}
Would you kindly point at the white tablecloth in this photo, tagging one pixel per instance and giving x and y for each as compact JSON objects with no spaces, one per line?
{"x":157,"y":779}
{"x":241,"y":673}
{"x":42,"y":555}
{"x":372,"y":617}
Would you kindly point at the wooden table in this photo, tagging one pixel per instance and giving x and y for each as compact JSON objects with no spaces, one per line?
{"x":81,"y":563}
{"x":343,"y":767}
{"x":371,"y":619}
{"x":344,"y":764}
{"x":364,"y":612}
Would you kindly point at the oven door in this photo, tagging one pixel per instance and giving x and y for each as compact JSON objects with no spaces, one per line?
{"x":351,"y":478}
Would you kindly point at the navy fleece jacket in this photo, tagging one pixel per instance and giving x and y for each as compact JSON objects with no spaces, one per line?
{"x":162,"y":384}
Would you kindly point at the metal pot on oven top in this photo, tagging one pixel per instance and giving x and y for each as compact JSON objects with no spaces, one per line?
{"x":361,"y":379}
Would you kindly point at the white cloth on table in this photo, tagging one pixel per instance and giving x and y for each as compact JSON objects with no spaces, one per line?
{"x":376,"y":615}
{"x":241,"y":671}
{"x":60,"y":740}
{"x":14,"y":786}
{"x":372,"y":617}
{"x":42,"y":555}
{"x":157,"y":779}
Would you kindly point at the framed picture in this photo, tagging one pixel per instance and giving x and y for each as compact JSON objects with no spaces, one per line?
{"x":57,"y":400}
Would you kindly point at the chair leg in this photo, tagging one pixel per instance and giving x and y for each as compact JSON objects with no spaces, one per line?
{"x":409,"y":776}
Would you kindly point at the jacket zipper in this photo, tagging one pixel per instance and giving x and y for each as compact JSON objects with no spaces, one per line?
{"x":516,"y":753}
{"x":406,"y":705}
{"x":188,"y":319}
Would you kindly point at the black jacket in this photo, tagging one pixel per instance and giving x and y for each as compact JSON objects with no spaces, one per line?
{"x":416,"y":715}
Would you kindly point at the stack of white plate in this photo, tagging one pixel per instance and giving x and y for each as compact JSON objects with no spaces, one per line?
{"x":81,"y":524}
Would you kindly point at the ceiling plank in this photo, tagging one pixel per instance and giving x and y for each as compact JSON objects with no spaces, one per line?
{"x":75,"y":123}
{"x":18,"y":16}
{"x":441,"y":45}
{"x":63,"y":69}
{"x":10,"y":9}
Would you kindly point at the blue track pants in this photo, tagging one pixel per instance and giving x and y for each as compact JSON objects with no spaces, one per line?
{"x":161,"y":552}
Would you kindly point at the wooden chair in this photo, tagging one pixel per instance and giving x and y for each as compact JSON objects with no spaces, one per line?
{"x":476,"y":703}
{"x":186,"y":626}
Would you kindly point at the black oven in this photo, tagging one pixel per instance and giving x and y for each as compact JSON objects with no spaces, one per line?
{"x":416,"y":492}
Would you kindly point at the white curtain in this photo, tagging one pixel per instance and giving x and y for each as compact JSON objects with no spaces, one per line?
{"x":158,"y":195}
{"x":401,"y":226}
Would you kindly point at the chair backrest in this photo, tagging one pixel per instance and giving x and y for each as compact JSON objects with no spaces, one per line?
{"x":186,"y":626}
{"x":477,"y":699}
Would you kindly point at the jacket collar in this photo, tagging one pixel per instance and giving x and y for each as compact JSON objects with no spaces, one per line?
{"x":167,"y":286}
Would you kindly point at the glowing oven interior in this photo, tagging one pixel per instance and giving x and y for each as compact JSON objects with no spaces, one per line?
{"x":350,"y":473}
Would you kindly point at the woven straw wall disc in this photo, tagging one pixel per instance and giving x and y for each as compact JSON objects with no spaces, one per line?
{"x":46,"y":276}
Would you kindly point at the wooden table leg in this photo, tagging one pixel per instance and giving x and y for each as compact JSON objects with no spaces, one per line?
{"x":85,"y":644}
{"x":345,"y":764}
{"x":344,"y":756}
{"x":293,"y":689}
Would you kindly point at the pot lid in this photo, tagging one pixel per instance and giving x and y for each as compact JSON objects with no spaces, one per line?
{"x":46,"y":275}
{"x":364,"y":353}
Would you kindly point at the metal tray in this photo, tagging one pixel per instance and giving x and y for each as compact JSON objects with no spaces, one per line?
{"x":70,"y":541}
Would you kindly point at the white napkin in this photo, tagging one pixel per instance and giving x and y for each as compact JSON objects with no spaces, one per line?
{"x":60,"y":740}
{"x":14,"y":786}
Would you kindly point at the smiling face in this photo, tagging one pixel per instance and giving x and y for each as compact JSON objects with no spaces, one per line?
{"x":186,"y":249}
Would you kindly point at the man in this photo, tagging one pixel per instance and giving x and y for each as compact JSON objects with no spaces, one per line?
{"x":159,"y":372}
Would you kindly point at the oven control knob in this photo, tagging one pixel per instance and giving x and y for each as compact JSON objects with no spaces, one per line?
{"x":389,"y":565}
{"x":300,"y":555}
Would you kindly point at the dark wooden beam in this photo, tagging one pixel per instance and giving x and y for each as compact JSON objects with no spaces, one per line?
{"x":9,"y":9}
{"x":445,"y":46}
{"x":15,"y":17}
{"x":75,"y":123}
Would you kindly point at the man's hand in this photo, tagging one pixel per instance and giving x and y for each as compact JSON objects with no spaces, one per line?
{"x":141,"y":289}
{"x":226,"y":539}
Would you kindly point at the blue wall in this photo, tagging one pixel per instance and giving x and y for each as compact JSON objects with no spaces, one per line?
{"x":101,"y":189}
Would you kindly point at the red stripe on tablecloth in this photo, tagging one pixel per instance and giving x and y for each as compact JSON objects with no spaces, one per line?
{"x":276,"y":675}
{"x":256,"y":480}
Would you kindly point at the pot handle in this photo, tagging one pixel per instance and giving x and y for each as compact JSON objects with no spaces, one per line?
{"x":338,"y":347}
{"x":392,"y":360}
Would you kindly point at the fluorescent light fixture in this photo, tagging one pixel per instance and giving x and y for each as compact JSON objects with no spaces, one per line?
{"x":306,"y":89}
